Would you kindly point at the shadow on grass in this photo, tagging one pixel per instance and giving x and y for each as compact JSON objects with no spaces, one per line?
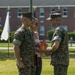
{"x":71,"y":55}
{"x":4,"y":55}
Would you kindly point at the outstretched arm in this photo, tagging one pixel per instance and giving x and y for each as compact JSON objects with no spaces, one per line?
{"x":53,"y":48}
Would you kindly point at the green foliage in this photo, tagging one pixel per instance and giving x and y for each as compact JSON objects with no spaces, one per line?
{"x":12,"y":35}
{"x":0,"y":36}
{"x":50,"y":34}
{"x":70,"y":34}
{"x":0,"y":32}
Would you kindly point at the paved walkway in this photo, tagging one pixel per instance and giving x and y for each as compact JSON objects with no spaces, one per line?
{"x":6,"y":48}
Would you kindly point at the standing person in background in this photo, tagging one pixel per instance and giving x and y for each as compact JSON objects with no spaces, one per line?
{"x":59,"y":49}
{"x":24,"y":46}
{"x":34,"y":28}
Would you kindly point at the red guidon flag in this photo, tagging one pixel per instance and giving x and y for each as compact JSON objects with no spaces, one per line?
{"x":43,"y":45}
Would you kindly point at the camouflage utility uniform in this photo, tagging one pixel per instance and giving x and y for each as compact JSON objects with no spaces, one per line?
{"x":25,"y":39}
{"x":60,"y":58}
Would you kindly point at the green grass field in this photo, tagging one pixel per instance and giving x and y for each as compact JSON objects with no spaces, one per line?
{"x":6,"y":44}
{"x":8,"y":67}
{"x":11,"y":44}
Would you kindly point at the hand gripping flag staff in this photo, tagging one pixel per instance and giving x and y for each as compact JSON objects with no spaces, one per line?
{"x":6,"y":31}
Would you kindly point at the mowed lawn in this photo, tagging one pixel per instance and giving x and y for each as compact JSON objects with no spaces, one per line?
{"x":8,"y":67}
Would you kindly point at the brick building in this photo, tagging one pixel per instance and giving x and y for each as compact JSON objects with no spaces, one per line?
{"x":43,"y":9}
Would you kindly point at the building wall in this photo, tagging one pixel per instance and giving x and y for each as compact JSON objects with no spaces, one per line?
{"x":15,"y":22}
{"x":70,"y":20}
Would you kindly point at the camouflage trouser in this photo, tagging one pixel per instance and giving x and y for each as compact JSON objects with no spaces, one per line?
{"x":28,"y":70}
{"x":60,"y":69}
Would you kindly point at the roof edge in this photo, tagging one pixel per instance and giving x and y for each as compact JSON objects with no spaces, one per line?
{"x":37,"y":6}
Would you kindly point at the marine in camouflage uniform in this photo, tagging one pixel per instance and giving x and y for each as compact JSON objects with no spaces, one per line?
{"x":60,"y":57}
{"x":24,"y":38}
{"x":60,"y":53}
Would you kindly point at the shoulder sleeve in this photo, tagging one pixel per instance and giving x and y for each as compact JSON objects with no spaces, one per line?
{"x":18,"y":38}
{"x":58,"y":34}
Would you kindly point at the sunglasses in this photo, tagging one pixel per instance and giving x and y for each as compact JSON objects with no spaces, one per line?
{"x":36,"y":23}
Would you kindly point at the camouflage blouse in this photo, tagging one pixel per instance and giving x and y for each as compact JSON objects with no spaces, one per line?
{"x":61,"y":55}
{"x":25,"y":39}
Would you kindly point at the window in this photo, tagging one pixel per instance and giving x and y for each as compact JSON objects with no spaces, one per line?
{"x":42,"y":30}
{"x":52,"y":10}
{"x":19,"y":12}
{"x":0,"y":22}
{"x":41,"y":12}
{"x":65,"y":12}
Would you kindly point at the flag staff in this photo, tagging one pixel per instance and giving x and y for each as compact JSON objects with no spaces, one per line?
{"x":8,"y":46}
{"x":58,"y":8}
{"x":34,"y":8}
{"x":31,"y":6}
{"x":8,"y":9}
{"x":6,"y":30}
